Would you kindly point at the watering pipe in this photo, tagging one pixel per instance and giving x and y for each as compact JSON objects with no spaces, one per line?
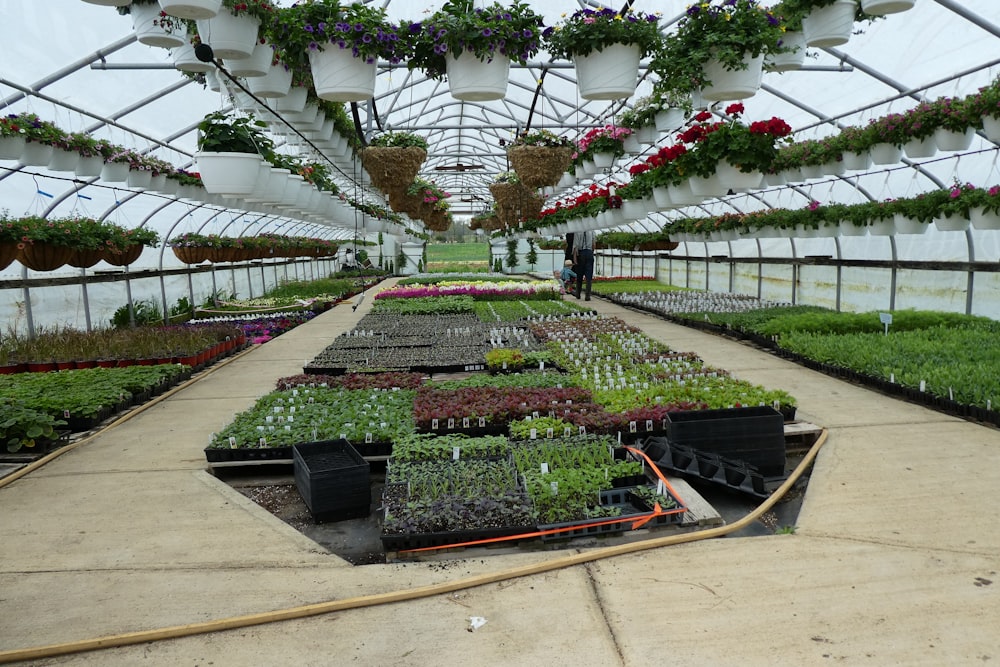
{"x":359,"y":602}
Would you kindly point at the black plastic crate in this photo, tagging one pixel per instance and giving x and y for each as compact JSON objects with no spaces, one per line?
{"x":755,"y":435}
{"x":226,"y":454}
{"x":332,"y":478}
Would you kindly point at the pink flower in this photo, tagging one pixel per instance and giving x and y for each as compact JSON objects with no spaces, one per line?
{"x":956,"y":192}
{"x":813,"y":205}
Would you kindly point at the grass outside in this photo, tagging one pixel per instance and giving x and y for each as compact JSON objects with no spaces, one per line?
{"x":632,"y":286}
{"x":458,"y":257}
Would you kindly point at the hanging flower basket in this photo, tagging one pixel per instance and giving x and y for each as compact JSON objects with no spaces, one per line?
{"x":230,"y":35}
{"x":124,"y":257}
{"x":392,"y":168}
{"x":515,"y":202}
{"x":540,"y":166}
{"x":276,"y":83}
{"x":883,"y":7}
{"x":44,"y":256}
{"x":153,"y":30}
{"x":228,"y":173}
{"x":341,"y":77}
{"x":257,"y":64}
{"x":831,"y":25}
{"x":473,"y":80}
{"x":191,"y":9}
{"x":191,"y":255}
{"x":793,"y":58}
{"x":84,"y":258}
{"x":733,"y":84}
{"x":610,"y":74}
{"x":11,"y":147}
{"x":8,"y":253}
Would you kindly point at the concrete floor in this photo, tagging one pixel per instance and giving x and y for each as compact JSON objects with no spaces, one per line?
{"x":896,"y":559}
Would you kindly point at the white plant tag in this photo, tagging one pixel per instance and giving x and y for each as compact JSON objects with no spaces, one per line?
{"x":434,"y":424}
{"x":545,"y":468}
{"x":534,"y":434}
{"x":465,"y":422}
{"x":456,"y":453}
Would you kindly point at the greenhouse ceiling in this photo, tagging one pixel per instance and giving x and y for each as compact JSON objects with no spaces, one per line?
{"x":79,"y":65}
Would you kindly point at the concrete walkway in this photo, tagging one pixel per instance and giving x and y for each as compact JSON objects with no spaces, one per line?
{"x":896,"y":559}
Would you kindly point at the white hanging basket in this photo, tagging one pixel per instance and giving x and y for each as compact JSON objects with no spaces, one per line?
{"x":955,"y":223}
{"x":831,"y":25}
{"x":11,"y":147}
{"x":228,"y":173}
{"x":36,"y":154}
{"x":340,"y":77}
{"x":293,"y":102}
{"x":146,"y":21}
{"x":812,"y":171}
{"x":230,"y":36}
{"x":191,"y":9}
{"x":115,"y":172}
{"x":139,"y":178}
{"x":633,"y":209}
{"x":905,"y":225}
{"x":108,"y":3}
{"x":856,"y":161}
{"x":159,"y":182}
{"x":89,"y":167}
{"x":980,"y":219}
{"x":610,"y":74}
{"x":669,"y":119}
{"x":63,"y":160}
{"x":631,"y":145}
{"x":920,"y":148}
{"x":949,"y":140}
{"x":662,"y":200}
{"x":883,"y":7}
{"x":732,"y":178}
{"x":991,"y":128}
{"x":473,"y":80}
{"x":270,"y":185}
{"x":884,"y":227}
{"x":848,"y":228}
{"x":709,"y":186}
{"x":604,"y":160}
{"x":185,"y":60}
{"x":885,"y":153}
{"x":258,"y":64}
{"x":647,"y":134}
{"x":790,"y":60}
{"x":683,"y":195}
{"x":732,"y":84}
{"x":833,"y":168}
{"x":276,"y":83}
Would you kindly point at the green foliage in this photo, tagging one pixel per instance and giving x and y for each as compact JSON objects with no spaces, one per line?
{"x":219,"y":132}
{"x":21,"y":426}
{"x":429,"y":447}
{"x":399,"y":140}
{"x":511,"y":259}
{"x":589,"y":30}
{"x":504,"y":359}
{"x":143,"y":312}
{"x":432,"y":305}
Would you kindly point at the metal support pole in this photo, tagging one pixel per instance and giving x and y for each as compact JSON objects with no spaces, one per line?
{"x":795,"y":272}
{"x":86,"y":299}
{"x":128,"y":298}
{"x":892,"y":279}
{"x":263,"y":280}
{"x":760,"y":270}
{"x":27,"y":305}
{"x":163,"y":299}
{"x":249,"y":281}
{"x":840,"y":271}
{"x":708,"y":266}
{"x":971,"y":278}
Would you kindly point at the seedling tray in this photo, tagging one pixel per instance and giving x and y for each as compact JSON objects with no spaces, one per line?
{"x":332,"y":478}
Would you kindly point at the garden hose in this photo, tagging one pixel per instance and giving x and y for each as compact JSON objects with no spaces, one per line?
{"x":35,"y":465}
{"x":178,"y":631}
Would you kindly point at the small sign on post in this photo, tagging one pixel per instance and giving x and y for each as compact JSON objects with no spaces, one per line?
{"x":886,"y":320}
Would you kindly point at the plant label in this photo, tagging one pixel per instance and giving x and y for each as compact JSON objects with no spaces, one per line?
{"x":291,"y":410}
{"x":368,"y":438}
{"x":567,"y":432}
{"x":541,"y":365}
{"x":456,"y":453}
{"x":549,"y":432}
{"x":315,"y":435}
{"x":295,"y":392}
{"x":545,"y":468}
{"x":262,"y":442}
{"x":465,"y":422}
{"x":434,"y":424}
{"x":503,"y":366}
{"x":269,"y":419}
{"x":923,"y":385}
{"x":886,"y":320}
{"x":649,"y":424}
{"x":527,"y":418}
{"x":534,"y":414}
{"x":661,"y":488}
{"x":534,"y":433}
{"x":555,"y":488}
{"x":892,"y":378}
{"x":288,"y":427}
{"x":583,"y":430}
{"x":232,"y":442}
{"x":482,"y":422}
{"x":631,"y":428}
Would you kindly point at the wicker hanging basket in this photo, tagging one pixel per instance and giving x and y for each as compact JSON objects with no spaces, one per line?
{"x":392,"y":168}
{"x":437,"y":221}
{"x":44,"y":256}
{"x":8,"y":253}
{"x":84,"y":258}
{"x":515,"y":202}
{"x":123,"y":257}
{"x":540,"y":166}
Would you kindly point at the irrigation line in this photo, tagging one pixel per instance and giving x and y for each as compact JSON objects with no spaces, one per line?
{"x":178,"y":631}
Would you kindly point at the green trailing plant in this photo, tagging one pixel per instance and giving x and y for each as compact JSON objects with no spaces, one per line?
{"x":23,"y":427}
{"x":223,"y":133}
{"x":590,"y":30}
{"x":399,"y":140}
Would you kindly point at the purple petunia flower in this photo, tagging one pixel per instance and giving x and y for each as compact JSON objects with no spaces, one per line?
{"x":487,"y":32}
{"x":308,"y":27}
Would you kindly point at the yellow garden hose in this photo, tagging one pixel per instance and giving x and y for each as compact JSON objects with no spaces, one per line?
{"x":177,"y":631}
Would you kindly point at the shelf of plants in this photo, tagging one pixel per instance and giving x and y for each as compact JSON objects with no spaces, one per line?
{"x":947,"y":361}
{"x":467,"y":454}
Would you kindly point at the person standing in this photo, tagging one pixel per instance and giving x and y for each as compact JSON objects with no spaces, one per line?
{"x":583,"y":257}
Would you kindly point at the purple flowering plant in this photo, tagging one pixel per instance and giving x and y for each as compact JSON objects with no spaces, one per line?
{"x":589,"y":30}
{"x":507,"y":31}
{"x":316,"y":25}
{"x":724,"y":31}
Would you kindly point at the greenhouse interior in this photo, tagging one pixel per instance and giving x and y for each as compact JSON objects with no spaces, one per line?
{"x":396,"y":333}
